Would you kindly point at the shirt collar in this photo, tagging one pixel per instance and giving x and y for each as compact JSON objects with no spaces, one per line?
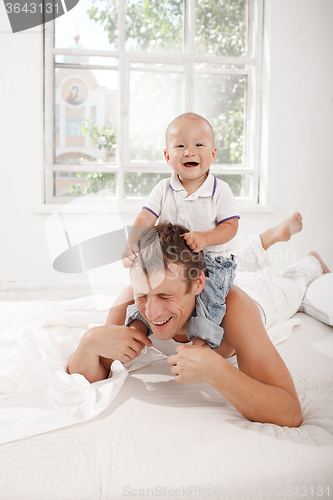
{"x":206,"y":189}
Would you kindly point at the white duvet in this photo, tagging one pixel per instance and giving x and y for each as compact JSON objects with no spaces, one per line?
{"x":36,"y":392}
{"x":157,"y":439}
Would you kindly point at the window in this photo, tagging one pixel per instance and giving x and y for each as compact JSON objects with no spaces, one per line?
{"x":118,"y":71}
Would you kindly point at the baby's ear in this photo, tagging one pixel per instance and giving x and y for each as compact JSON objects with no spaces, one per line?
{"x":166,"y":155}
{"x":214,"y":154}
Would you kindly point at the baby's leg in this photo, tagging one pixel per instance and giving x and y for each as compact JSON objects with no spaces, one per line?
{"x":251,"y":254}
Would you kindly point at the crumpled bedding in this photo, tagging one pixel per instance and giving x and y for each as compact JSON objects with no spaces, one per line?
{"x":156,"y":438}
{"x":36,"y":392}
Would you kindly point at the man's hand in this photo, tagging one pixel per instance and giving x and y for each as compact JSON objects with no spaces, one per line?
{"x":116,"y":342}
{"x":193,"y":363}
{"x":195,"y":240}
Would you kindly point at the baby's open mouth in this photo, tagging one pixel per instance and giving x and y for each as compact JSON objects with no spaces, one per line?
{"x":191,"y":164}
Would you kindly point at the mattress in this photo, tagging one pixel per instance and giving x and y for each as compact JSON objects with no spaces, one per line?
{"x":155,"y":438}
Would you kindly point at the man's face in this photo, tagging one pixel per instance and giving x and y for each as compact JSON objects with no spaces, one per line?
{"x":163,"y":299}
{"x":190,"y":148}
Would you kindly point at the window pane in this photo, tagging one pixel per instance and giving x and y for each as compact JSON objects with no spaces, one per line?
{"x":221,"y":27}
{"x":92,"y":24}
{"x":221,"y":99}
{"x":86,"y":110}
{"x":155,"y":99}
{"x":78,"y":184}
{"x":141,"y":184}
{"x":241,"y":185}
{"x":153,"y":26}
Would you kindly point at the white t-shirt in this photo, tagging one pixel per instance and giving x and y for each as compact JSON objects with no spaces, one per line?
{"x":212,"y":204}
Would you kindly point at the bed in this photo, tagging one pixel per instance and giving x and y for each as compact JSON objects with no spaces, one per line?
{"x":140,"y":434}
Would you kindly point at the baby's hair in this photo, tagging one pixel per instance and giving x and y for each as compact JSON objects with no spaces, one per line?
{"x":193,"y":116}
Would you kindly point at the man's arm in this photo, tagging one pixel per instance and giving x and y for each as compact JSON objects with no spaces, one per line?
{"x":262,"y":389}
{"x":101,"y":345}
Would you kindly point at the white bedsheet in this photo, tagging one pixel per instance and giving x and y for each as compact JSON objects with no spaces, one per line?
{"x":36,"y":393}
{"x":36,"y":339}
{"x":159,"y":439}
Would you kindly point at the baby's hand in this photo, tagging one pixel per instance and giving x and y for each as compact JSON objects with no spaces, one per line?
{"x":195,"y":240}
{"x":129,"y":256}
{"x":127,"y":262}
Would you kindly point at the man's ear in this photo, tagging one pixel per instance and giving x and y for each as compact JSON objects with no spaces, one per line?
{"x":166,"y":155}
{"x":199,"y":284}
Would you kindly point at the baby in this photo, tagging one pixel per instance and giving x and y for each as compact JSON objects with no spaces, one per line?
{"x":196,"y":199}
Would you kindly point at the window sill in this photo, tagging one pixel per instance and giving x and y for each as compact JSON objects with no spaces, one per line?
{"x":134,"y":207}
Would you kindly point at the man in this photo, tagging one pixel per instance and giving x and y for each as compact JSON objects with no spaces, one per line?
{"x":167,"y":277}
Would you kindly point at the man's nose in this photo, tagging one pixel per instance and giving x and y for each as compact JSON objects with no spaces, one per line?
{"x":154,"y":309}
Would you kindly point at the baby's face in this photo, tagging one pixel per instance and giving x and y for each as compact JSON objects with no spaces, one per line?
{"x":190,"y":149}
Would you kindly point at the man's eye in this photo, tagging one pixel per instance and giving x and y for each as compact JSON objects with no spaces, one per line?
{"x":140,"y":297}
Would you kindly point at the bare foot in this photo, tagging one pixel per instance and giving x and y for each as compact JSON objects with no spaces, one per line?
{"x":322,"y":263}
{"x":283,"y":231}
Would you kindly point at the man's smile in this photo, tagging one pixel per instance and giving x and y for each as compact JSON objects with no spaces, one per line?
{"x":161,"y":324}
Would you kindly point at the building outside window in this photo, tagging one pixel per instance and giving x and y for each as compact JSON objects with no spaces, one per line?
{"x":118,"y":71}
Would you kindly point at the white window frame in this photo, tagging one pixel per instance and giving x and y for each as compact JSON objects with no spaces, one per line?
{"x":253,"y":72}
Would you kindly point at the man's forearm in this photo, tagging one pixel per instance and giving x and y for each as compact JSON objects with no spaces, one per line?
{"x":85,"y":361}
{"x":255,"y":400}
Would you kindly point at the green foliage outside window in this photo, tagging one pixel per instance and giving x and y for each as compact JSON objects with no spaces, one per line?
{"x":102,"y":136}
{"x":141,"y":184}
{"x":152,"y":24}
{"x":97,"y":182}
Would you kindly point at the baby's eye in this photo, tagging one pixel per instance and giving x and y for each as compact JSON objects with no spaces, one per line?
{"x":180,"y":146}
{"x":199,"y":144}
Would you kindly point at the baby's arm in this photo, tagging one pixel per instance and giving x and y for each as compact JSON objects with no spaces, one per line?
{"x":144,"y":220}
{"x":221,"y":234}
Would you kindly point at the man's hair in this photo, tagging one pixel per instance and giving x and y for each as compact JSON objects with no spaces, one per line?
{"x":193,"y":116}
{"x":162,"y":245}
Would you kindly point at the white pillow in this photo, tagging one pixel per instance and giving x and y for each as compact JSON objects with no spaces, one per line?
{"x":318,"y":299}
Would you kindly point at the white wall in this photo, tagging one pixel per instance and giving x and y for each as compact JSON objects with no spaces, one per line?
{"x":297,"y":146}
{"x":298,"y":117}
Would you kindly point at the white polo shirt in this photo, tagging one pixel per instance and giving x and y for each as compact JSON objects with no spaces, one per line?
{"x":212,"y":204}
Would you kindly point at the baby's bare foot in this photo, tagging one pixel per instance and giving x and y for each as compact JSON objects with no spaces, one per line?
{"x":283,"y":231}
{"x":322,"y":263}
